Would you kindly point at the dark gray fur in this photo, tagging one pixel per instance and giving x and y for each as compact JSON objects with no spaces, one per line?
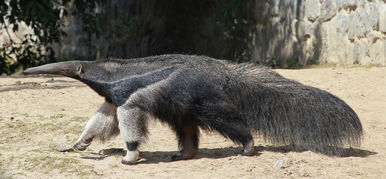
{"x":190,"y":92}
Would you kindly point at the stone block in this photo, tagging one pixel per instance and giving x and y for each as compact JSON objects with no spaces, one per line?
{"x":377,"y":52}
{"x":382,"y":17}
{"x":368,"y":18}
{"x":305,"y":28}
{"x":342,"y":20}
{"x":312,"y":10}
{"x":352,"y":25}
{"x":328,"y":10}
{"x":344,"y":4}
{"x":360,"y":52}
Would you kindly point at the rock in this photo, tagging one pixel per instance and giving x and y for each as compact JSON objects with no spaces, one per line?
{"x":372,"y":10}
{"x":282,"y":162}
{"x":327,"y":10}
{"x":367,"y":19}
{"x":346,"y":4}
{"x":312,"y":10}
{"x":342,"y":22}
{"x":377,"y":52}
{"x":374,"y":36}
{"x":352,"y":25}
{"x":332,"y":31}
{"x":305,"y":29}
{"x":360,"y":52}
{"x":382,"y":18}
{"x":276,"y":8}
{"x":60,"y":147}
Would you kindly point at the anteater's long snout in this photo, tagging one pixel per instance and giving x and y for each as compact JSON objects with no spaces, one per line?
{"x":44,"y":69}
{"x":70,"y":68}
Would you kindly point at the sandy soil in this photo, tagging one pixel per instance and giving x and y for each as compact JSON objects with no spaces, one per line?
{"x":37,"y":111}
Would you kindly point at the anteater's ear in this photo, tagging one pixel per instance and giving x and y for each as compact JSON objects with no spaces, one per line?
{"x":79,"y":69}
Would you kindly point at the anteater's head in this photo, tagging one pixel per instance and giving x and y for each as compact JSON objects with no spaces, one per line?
{"x":72,"y":69}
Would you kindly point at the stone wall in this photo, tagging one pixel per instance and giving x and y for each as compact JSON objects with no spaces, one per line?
{"x":334,"y":31}
{"x":284,"y":32}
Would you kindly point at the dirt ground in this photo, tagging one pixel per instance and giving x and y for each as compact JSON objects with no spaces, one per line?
{"x":37,"y":111}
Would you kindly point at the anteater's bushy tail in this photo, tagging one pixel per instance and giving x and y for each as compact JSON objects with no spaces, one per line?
{"x":286,"y":112}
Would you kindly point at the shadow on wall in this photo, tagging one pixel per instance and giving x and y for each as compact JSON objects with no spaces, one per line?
{"x":274,"y":33}
{"x":279,"y":33}
{"x":137,"y":28}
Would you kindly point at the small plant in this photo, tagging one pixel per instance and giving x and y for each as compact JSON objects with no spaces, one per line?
{"x":234,"y":18}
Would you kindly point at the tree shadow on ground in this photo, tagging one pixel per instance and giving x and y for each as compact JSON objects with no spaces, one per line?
{"x":50,"y":83}
{"x":165,"y":156}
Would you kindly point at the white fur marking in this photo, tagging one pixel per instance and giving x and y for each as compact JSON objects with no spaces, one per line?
{"x":100,"y":122}
{"x":130,"y":124}
{"x":131,"y":156}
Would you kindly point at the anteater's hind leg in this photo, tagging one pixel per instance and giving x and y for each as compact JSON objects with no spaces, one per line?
{"x":225,"y":119}
{"x":188,"y":139}
{"x":103,"y":124}
{"x":237,"y":133}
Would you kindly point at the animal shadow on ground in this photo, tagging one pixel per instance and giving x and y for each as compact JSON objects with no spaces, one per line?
{"x":165,"y":156}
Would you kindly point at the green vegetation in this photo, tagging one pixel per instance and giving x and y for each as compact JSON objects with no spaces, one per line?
{"x":46,"y":163}
{"x":233,"y":16}
{"x":37,"y":124}
{"x":45,"y":18}
{"x":79,"y":118}
{"x":49,"y":163}
{"x":57,"y":116}
{"x":33,"y":49}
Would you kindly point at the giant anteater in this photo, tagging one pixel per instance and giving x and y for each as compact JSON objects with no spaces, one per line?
{"x":197,"y":92}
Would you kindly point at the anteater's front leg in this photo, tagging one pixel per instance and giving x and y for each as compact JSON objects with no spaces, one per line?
{"x":103,"y":124}
{"x":132,"y":124}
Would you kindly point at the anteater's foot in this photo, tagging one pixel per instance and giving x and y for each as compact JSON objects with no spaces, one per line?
{"x":80,"y":146}
{"x":131,"y":158}
{"x":248,"y":149}
{"x":183,"y":155}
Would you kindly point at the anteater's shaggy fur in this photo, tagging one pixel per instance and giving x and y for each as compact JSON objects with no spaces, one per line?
{"x":192,"y":92}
